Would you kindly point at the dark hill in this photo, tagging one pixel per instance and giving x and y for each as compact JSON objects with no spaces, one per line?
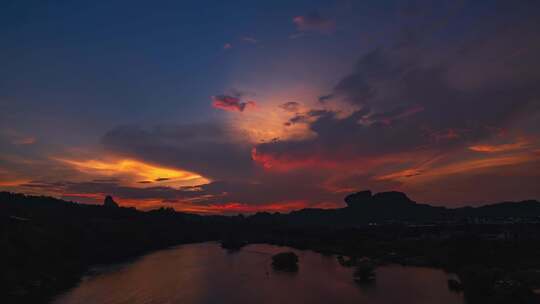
{"x":395,"y":207}
{"x":523,"y":209}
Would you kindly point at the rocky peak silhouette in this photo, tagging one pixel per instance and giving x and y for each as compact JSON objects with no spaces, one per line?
{"x":366,"y":198}
{"x":393,"y":197}
{"x":353,"y":200}
{"x":109,"y":202}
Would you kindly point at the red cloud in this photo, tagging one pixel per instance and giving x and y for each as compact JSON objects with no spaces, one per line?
{"x":285,"y":162}
{"x":230,"y":103}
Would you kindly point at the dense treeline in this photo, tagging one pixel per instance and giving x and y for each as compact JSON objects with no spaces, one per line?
{"x":48,"y":243}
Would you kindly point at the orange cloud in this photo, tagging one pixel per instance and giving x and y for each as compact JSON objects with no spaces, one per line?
{"x":520,"y":144}
{"x":269,"y":121}
{"x":428,"y":172}
{"x":400,"y":174}
{"x":478,"y":164}
{"x":13,"y":183}
{"x":269,"y":124}
{"x":136,"y":171}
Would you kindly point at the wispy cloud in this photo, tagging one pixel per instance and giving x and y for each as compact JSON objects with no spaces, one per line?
{"x":494,"y":148}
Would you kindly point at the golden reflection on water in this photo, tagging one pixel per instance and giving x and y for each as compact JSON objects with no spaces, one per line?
{"x":205,"y":273}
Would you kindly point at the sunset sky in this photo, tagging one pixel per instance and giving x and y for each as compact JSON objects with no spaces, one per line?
{"x":246,"y":106}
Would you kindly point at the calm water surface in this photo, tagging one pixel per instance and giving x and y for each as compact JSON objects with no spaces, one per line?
{"x":205,"y":273}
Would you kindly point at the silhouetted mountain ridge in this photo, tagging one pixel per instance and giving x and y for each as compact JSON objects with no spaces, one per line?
{"x":364,"y":207}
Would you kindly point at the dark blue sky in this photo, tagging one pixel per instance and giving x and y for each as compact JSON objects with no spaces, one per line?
{"x":413,"y":88}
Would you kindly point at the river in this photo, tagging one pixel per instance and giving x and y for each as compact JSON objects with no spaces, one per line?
{"x":205,"y":273}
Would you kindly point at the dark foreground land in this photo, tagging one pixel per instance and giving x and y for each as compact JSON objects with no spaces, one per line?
{"x":48,"y":244}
